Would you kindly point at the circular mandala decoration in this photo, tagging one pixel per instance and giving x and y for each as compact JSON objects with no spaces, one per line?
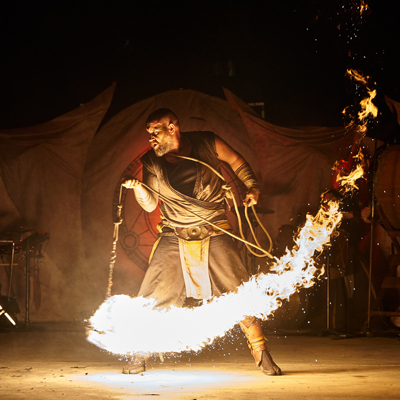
{"x":138,"y":232}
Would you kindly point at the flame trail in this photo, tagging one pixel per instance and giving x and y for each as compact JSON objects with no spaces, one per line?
{"x":125,"y":325}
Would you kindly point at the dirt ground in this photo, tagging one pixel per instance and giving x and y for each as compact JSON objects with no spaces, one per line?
{"x":54,"y":361}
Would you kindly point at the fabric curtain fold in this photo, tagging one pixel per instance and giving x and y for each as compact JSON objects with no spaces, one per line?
{"x":295,"y":163}
{"x":42,"y":168}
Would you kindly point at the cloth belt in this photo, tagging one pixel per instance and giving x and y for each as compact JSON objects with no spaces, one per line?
{"x":196,"y":232}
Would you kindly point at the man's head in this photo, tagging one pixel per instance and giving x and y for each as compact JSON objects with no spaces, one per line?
{"x":162,"y":113}
{"x":163,"y":128}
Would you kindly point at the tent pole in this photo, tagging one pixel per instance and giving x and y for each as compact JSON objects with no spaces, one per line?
{"x":368,"y":332}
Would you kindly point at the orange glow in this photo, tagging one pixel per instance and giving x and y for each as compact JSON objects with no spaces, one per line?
{"x":363,"y":6}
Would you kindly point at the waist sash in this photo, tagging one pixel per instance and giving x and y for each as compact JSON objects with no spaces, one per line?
{"x":194,"y":261}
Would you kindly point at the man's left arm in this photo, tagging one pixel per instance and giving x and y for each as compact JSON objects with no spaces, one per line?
{"x":241,"y":168}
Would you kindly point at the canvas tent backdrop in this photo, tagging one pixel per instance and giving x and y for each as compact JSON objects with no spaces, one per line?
{"x":63,"y":177}
{"x":41,"y":177}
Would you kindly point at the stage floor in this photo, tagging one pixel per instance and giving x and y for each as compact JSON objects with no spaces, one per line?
{"x":54,"y":361}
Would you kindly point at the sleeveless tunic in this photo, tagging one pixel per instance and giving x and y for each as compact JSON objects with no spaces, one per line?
{"x":165,"y":280}
{"x":208,"y":197}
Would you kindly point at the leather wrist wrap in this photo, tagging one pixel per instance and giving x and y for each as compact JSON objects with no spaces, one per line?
{"x":246,"y":175}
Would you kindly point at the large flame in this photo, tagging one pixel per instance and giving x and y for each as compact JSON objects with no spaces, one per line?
{"x":368,"y":108}
{"x":125,"y":325}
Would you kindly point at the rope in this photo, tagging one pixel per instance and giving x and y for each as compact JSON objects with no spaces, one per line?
{"x":165,"y":199}
{"x":261,"y":225}
{"x":229,"y":194}
{"x":117,"y":223}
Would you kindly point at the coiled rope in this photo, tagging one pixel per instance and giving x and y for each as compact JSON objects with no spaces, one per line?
{"x":229,"y":194}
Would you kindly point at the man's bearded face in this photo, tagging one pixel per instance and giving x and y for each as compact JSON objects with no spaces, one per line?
{"x":160,"y":138}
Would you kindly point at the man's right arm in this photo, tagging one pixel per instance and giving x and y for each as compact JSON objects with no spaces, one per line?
{"x":146,"y":199}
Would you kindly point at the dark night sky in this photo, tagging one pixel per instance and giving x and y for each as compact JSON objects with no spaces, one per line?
{"x":292,"y":55}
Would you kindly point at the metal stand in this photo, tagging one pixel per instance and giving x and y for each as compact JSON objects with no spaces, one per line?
{"x":371,"y":245}
{"x":328,"y":294}
{"x":328,"y":330}
{"x":2,"y":311}
{"x":27,"y":281}
{"x":12,"y":243}
{"x":30,"y":244}
{"x":366,"y":331}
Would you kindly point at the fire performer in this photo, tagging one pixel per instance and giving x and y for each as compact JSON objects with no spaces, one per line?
{"x":192,"y":259}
